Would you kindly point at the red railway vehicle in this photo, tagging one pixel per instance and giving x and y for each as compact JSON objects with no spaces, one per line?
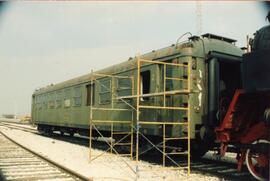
{"x":246,"y":128}
{"x":246,"y":123}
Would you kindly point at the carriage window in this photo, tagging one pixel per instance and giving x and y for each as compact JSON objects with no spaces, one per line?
{"x":124,"y":87}
{"x":38,"y":102}
{"x":105,"y":92}
{"x":145,"y":84}
{"x":45,"y":102}
{"x":67,"y":98}
{"x":51,"y":100}
{"x":90,"y":88}
{"x":58,"y":99}
{"x":77,"y":96}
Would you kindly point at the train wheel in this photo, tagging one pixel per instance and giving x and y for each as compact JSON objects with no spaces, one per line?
{"x":258,"y":161}
{"x":49,"y":132}
{"x":198,"y":149}
{"x":71,"y":133}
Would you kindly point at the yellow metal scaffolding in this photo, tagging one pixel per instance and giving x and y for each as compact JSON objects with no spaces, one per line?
{"x":164,"y":123}
{"x":135,"y":125}
{"x":95,"y":122}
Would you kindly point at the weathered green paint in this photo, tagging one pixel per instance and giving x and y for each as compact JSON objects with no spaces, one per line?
{"x":194,"y":51}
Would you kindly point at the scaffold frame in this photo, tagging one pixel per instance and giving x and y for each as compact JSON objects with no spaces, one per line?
{"x":93,"y":122}
{"x":137,"y":123}
{"x":164,"y":107}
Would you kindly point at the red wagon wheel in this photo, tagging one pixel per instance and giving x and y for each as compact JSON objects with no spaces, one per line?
{"x":258,"y":161}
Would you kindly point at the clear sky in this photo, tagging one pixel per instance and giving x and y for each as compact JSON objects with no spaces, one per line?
{"x":49,"y":42}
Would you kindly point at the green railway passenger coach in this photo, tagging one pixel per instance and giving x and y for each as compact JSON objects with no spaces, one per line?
{"x":212,"y":75}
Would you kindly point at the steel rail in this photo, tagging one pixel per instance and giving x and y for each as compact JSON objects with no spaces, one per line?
{"x":14,"y":126}
{"x":205,"y":166}
{"x":70,"y":171}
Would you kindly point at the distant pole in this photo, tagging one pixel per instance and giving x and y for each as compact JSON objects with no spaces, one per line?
{"x":15,"y":110}
{"x":199,"y":17}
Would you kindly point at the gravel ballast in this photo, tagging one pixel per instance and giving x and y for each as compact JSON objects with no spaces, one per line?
{"x":76,"y":157}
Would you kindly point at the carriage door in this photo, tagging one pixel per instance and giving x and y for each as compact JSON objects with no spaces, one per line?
{"x":147,"y":87}
{"x":145,"y":84}
{"x":67,"y":105}
{"x":224,"y":76}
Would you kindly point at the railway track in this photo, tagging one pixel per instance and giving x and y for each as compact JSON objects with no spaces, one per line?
{"x":224,"y":170}
{"x":76,"y":140}
{"x":18,"y":163}
{"x":19,"y":126}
